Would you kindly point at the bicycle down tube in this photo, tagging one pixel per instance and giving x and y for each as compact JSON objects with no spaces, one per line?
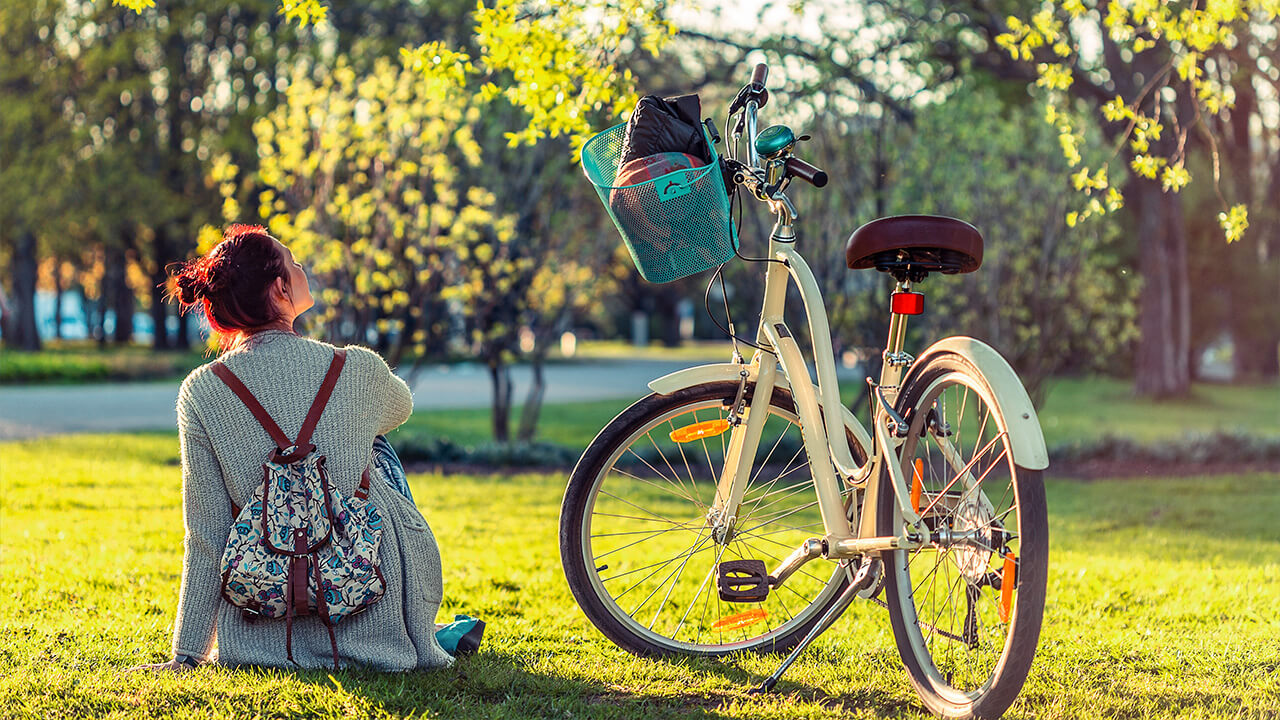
{"x":820,"y":408}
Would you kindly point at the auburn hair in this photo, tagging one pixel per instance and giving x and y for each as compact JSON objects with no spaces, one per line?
{"x":232,"y":282}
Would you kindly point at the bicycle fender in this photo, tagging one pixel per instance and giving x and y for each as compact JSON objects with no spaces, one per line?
{"x":699,"y":374}
{"x":730,"y":372}
{"x":1025,"y":437}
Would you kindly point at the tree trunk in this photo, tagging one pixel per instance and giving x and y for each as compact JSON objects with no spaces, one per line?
{"x":159,"y":279}
{"x":20,"y":330}
{"x":533,"y":403}
{"x":123,"y":300}
{"x":1162,"y":367}
{"x":57,"y":298}
{"x":181,"y":341}
{"x":500,"y":379}
{"x":669,"y":316}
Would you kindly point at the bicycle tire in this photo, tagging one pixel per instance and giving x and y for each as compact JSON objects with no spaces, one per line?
{"x":578,"y":516}
{"x":996,"y":638}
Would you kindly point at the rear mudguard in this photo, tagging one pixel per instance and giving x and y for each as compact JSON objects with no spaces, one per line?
{"x":1023,"y":426}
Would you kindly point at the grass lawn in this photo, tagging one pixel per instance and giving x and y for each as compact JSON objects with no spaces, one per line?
{"x":1075,"y":410}
{"x":1162,"y":603}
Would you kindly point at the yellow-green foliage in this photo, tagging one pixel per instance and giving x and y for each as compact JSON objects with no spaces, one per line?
{"x":361,"y":177}
{"x":1186,"y":33}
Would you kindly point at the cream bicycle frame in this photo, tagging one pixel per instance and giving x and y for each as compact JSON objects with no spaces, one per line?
{"x":823,"y":418}
{"x":818,"y":407}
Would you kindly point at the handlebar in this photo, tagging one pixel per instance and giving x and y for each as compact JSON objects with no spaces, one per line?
{"x":806,"y":172}
{"x":759,"y":76}
{"x":751,"y":98}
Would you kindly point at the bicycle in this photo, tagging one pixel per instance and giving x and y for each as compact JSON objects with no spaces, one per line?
{"x":673,"y":509}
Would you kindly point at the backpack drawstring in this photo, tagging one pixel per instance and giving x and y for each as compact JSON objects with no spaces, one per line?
{"x":322,"y":609}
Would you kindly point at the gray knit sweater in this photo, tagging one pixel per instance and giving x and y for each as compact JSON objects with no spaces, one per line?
{"x":223,"y":448}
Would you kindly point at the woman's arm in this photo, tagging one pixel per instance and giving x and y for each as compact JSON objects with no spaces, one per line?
{"x":206,"y":513}
{"x":393,"y":402}
{"x":399,"y":404}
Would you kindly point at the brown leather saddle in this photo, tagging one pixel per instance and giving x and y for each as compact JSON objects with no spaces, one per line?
{"x":912,"y":246}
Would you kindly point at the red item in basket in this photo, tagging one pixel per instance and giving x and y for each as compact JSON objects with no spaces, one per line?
{"x":636,"y":206}
{"x":654,"y":166}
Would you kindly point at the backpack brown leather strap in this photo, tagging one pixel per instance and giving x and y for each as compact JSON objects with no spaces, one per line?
{"x":322,"y":397}
{"x":303,"y":445}
{"x":362,"y":492}
{"x":246,"y":397}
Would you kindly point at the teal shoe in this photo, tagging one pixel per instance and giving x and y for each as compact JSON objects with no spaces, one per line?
{"x":462,"y":636}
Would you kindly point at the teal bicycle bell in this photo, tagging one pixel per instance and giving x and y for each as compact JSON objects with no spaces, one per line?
{"x":774,"y":140}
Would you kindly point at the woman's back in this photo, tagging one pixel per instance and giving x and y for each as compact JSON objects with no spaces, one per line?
{"x":223,"y":448}
{"x":283,"y":371}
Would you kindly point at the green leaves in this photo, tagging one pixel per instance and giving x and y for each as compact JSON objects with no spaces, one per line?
{"x":135,"y":5}
{"x":304,"y":12}
{"x":1234,"y":222}
{"x":555,"y":64}
{"x":1184,"y":36}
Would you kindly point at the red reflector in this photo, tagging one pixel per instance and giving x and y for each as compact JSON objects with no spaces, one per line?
{"x":908,"y":303}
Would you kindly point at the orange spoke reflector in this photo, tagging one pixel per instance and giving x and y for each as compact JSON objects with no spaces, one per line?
{"x":697,"y":431}
{"x":917,"y":484}
{"x":1008,"y":578}
{"x":740,"y":620}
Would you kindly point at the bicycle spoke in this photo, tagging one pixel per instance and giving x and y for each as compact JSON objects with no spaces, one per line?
{"x":685,"y":458}
{"x":660,"y":487}
{"x":790,"y":493}
{"x":663,"y":583}
{"x":663,"y":455}
{"x":693,"y":550}
{"x":759,"y":498}
{"x":644,"y":519}
{"x":666,"y":597}
{"x":637,"y":542}
{"x":628,"y":502}
{"x":646,"y":567}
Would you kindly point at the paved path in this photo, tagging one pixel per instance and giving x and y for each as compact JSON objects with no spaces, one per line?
{"x":55,"y":409}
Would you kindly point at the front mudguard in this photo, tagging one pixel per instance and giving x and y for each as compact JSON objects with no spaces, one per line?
{"x":732,"y":372}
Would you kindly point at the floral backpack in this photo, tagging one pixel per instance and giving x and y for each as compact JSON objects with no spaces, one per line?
{"x":300,"y":547}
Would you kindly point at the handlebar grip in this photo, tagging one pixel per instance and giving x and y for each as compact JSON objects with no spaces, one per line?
{"x":760,"y":75}
{"x":806,"y":172}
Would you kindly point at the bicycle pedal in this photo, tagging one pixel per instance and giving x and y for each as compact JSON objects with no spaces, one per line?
{"x":742,"y":580}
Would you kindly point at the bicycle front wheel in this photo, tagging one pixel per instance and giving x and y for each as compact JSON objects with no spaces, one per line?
{"x":640,"y":552}
{"x":965,"y":608}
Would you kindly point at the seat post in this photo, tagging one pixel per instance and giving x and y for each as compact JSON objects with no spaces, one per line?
{"x":897,"y":322}
{"x":903,"y":304}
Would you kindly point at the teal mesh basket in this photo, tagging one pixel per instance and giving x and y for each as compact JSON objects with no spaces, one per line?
{"x":675,"y":225}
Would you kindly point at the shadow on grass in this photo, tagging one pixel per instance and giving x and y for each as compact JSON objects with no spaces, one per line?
{"x":506,"y":684}
{"x":789,"y":690}
{"x":498,"y":683}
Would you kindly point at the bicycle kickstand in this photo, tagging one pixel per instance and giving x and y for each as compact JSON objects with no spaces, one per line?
{"x":836,"y":610}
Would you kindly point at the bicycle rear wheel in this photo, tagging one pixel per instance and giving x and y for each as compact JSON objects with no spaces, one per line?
{"x":640,"y":555}
{"x":966,"y":609}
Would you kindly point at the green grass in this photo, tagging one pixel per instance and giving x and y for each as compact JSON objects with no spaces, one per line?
{"x":1162,"y":602}
{"x":1089,"y":408}
{"x":83,"y":361}
{"x":1075,"y":410}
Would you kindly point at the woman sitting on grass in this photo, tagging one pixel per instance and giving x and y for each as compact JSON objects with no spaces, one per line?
{"x":252,"y":291}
